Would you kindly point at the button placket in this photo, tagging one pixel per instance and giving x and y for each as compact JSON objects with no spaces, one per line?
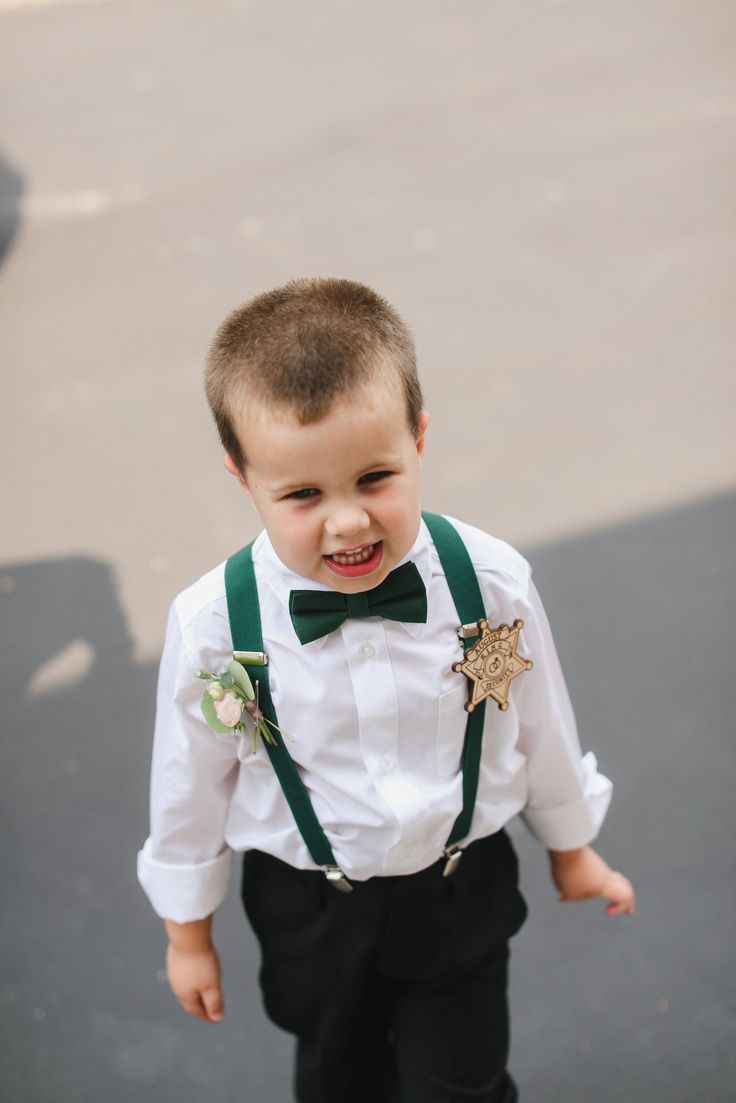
{"x":373,"y":686}
{"x":386,"y":764}
{"x":376,"y":699}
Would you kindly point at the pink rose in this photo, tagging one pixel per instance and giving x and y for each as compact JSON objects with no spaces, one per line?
{"x":229,"y":709}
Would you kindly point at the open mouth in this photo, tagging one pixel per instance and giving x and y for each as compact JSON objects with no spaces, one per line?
{"x":355,"y":561}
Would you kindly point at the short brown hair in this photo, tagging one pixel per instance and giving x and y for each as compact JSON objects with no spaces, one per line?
{"x":303,"y":345}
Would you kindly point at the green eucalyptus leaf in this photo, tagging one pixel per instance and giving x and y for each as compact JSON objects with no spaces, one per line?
{"x":241,"y":680}
{"x":226,"y":680}
{"x":208,"y":711}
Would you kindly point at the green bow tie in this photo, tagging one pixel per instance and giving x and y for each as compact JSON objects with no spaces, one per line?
{"x":401,"y":596}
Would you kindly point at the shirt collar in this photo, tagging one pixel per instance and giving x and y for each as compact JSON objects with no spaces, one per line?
{"x":281,"y":580}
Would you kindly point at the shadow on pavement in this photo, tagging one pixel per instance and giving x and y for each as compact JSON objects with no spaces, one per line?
{"x":85,"y":1008}
{"x":641,"y":1009}
{"x":636,"y":1009}
{"x":11,"y":190}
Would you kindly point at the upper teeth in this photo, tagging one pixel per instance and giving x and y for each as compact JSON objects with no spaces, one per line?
{"x":348,"y":559}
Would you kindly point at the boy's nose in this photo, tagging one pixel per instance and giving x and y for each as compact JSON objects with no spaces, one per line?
{"x":347,"y":522}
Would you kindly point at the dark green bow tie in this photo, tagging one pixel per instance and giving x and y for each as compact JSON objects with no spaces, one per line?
{"x":401,"y":596}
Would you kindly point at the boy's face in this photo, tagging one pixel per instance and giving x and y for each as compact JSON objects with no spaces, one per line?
{"x":340,"y":497}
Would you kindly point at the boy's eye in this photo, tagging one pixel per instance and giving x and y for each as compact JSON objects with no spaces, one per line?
{"x":374,"y":476}
{"x":307,"y":492}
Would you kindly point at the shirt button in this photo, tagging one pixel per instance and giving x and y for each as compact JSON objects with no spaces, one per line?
{"x":368,"y":650}
{"x":386,"y":764}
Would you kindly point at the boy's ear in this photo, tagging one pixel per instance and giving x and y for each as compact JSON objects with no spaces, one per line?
{"x":232,"y":467}
{"x":421,"y":432}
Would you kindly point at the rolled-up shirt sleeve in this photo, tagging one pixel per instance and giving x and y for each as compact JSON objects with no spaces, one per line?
{"x":567,"y":798}
{"x":184,"y":865}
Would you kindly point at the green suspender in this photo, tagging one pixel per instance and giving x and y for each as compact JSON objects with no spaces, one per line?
{"x":466,"y":595}
{"x":245,"y":625}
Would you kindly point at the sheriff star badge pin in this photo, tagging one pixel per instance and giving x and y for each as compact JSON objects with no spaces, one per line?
{"x":492,"y":662}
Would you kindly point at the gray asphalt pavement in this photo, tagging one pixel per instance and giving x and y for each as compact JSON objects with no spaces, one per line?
{"x":546,"y":193}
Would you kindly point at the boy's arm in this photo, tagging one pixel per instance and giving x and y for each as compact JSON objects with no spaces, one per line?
{"x":184,"y":864}
{"x":566,"y":796}
{"x":582,"y":874}
{"x":193,"y":969}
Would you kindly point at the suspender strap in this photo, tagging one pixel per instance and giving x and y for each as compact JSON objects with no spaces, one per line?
{"x":245,"y":625}
{"x":465,"y":591}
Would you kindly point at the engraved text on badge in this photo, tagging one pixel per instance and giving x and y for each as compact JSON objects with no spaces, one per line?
{"x":492,"y":662}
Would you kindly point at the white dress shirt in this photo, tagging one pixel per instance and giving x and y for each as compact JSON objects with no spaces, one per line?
{"x":373,"y":718}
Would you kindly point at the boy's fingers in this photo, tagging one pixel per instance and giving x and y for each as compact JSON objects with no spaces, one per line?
{"x":194,"y":1006}
{"x":212,"y":1001}
{"x":621,"y":907}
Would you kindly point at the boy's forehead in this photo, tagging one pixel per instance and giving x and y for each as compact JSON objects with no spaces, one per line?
{"x":375,"y":400}
{"x":364,"y":428}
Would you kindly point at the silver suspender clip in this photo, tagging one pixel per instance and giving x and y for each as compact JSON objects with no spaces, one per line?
{"x":453,"y":854}
{"x":251,"y":658}
{"x":466,"y":631}
{"x":337,"y":879}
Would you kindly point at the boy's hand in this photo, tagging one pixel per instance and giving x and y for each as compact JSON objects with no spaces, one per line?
{"x":582,"y":874}
{"x":194,"y":978}
{"x":193,"y":969}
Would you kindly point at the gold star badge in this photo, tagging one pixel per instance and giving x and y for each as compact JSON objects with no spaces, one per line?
{"x":492,"y":662}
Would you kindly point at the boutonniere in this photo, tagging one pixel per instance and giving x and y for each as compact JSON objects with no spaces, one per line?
{"x":227,"y":697}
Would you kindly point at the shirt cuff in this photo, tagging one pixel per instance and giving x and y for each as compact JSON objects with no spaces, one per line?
{"x":184,"y":893}
{"x":569,"y":826}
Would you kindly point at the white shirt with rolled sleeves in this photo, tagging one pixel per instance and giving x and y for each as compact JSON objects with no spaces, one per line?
{"x":373,"y":718}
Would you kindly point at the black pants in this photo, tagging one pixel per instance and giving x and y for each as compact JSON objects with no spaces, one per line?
{"x":396,"y":991}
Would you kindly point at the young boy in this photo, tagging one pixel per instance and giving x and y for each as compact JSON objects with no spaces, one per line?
{"x":420,"y":705}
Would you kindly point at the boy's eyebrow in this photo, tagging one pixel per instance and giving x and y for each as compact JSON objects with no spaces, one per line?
{"x":286,"y":488}
{"x":302,"y":484}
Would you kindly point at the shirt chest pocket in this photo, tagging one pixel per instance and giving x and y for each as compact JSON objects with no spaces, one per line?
{"x":451,"y":721}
